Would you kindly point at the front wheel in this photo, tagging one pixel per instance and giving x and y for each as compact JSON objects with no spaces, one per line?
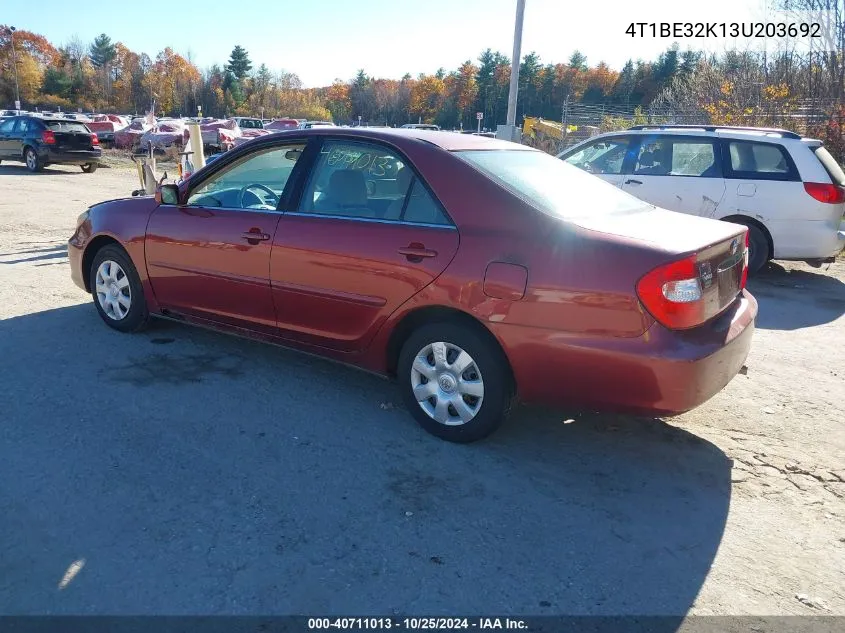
{"x":89,"y":168}
{"x":454,"y":381}
{"x":117,"y":290}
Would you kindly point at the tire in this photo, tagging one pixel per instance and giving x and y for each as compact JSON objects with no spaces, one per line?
{"x":90,"y":168}
{"x":758,"y":247}
{"x":33,"y":162}
{"x":488,"y":405}
{"x":114,"y":312}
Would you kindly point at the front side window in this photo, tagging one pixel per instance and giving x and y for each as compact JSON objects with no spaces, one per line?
{"x":7,"y":126}
{"x":602,"y":157}
{"x":668,"y":156}
{"x":256,"y":181}
{"x":759,"y":160}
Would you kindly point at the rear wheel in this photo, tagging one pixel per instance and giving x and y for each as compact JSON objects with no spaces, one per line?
{"x":454,"y":381}
{"x":33,"y":163}
{"x":758,"y":250}
{"x":117,"y":290}
{"x":90,"y":168}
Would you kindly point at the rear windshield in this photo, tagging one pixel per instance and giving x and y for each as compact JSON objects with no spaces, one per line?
{"x":552,"y":185}
{"x":830,"y":165}
{"x":66,"y":126}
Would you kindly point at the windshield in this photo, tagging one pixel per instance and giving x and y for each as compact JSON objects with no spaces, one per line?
{"x":551,"y":185}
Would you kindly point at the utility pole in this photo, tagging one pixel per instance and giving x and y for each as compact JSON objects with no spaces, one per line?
{"x":509,"y":131}
{"x":15,"y":64}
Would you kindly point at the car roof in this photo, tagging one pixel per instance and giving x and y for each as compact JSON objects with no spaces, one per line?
{"x":702,"y":130}
{"x":449,"y":141}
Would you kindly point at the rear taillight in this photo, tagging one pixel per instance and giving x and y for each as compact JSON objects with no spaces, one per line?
{"x":94,"y":140}
{"x":48,"y":137}
{"x":672,"y":294}
{"x":744,"y":279}
{"x":825,"y":192}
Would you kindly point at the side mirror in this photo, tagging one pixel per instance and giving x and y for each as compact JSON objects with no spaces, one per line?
{"x":167,"y":194}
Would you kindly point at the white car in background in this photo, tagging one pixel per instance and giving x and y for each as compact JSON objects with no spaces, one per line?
{"x":788,"y":190}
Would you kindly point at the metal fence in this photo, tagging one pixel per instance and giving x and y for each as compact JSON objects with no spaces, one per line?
{"x":583,"y":120}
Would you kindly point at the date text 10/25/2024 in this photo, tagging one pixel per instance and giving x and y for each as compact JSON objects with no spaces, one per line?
{"x":431,"y":624}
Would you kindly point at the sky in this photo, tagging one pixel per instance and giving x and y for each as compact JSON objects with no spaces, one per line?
{"x":321,"y":40}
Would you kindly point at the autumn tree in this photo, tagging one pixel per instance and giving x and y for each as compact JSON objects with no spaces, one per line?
{"x":427,"y":97}
{"x":466,"y":91}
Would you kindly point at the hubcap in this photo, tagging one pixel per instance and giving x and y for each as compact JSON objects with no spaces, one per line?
{"x":447,"y":383}
{"x":113,"y":291}
{"x":30,"y":159}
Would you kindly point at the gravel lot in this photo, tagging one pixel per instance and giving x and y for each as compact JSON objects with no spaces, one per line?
{"x":186,"y":472}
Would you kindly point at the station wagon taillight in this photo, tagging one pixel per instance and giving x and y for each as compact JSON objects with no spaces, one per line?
{"x":825,"y":192}
{"x":48,"y":137}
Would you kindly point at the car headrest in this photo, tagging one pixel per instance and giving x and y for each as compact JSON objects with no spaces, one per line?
{"x":347,"y":188}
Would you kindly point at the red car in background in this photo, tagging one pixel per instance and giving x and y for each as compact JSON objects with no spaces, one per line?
{"x":473,"y":270}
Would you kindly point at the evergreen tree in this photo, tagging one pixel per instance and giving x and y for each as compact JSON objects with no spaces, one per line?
{"x":239,"y":64}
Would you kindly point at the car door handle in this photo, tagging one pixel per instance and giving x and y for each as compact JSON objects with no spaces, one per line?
{"x":254,"y":236}
{"x":631,"y":181}
{"x":416,"y":252}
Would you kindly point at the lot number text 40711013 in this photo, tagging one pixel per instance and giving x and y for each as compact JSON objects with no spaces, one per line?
{"x":430,"y":624}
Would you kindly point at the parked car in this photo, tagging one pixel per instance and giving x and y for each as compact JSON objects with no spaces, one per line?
{"x":472,"y":269}
{"x":246,"y":123}
{"x":788,"y":190}
{"x":307,"y":125}
{"x":421,"y":126}
{"x":279,"y":125}
{"x":41,"y":141}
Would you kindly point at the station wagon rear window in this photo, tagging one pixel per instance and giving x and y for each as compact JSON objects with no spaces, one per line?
{"x":551,"y":185}
{"x":66,"y":126}
{"x":837,"y":176}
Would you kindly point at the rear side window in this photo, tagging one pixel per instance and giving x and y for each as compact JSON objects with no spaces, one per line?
{"x":760,"y":161}
{"x":837,"y":176}
{"x":66,"y":126}
{"x":421,"y":208}
{"x":677,"y":156}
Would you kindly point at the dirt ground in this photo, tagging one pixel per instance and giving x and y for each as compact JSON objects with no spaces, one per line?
{"x":183,"y":471}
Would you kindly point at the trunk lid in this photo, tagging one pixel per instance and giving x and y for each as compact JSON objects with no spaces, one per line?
{"x":715,"y":251}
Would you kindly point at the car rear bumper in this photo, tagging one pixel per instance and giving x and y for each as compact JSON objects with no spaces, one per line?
{"x":663,"y":372}
{"x":72,"y":157}
{"x":808,"y":239}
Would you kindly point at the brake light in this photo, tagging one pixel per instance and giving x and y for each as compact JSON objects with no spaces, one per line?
{"x":48,"y":137}
{"x":94,"y":140}
{"x":825,"y":192}
{"x":672,"y":294}
{"x":744,"y":279}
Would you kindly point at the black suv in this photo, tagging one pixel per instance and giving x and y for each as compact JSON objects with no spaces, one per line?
{"x":41,"y":141}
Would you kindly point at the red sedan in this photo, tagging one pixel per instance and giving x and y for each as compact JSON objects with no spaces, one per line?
{"x":473,"y":270}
